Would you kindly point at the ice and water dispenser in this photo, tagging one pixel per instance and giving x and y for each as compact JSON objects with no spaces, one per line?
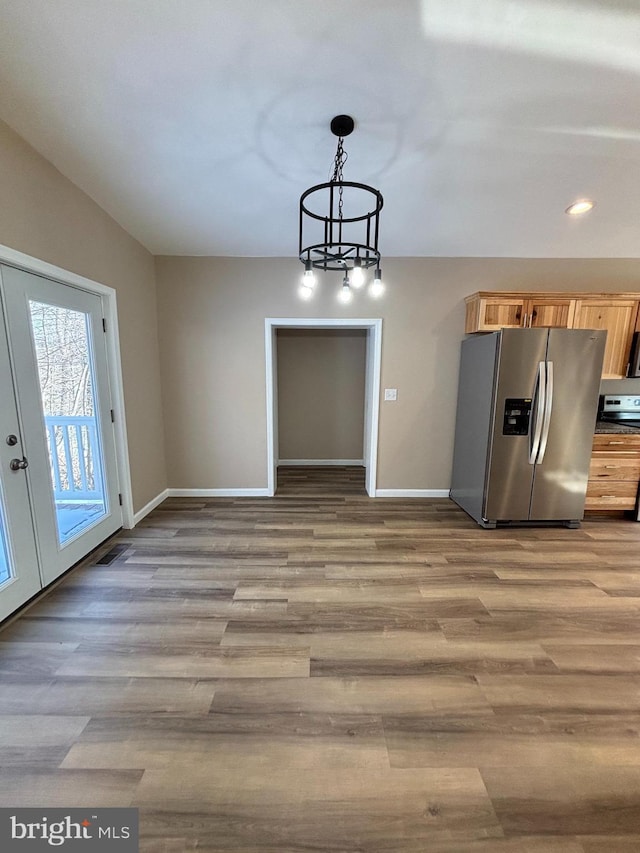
{"x":517,"y":413}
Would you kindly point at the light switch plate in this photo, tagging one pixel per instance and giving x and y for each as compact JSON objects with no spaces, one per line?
{"x":390,"y":393}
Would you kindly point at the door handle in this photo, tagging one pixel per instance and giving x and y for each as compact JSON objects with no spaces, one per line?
{"x":18,"y":464}
{"x":548,"y":406}
{"x":539,"y":395}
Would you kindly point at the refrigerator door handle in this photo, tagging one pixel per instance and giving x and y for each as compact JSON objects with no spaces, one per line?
{"x":540,"y":397}
{"x":548,"y":406}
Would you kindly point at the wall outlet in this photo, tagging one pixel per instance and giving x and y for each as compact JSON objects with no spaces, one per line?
{"x":390,"y":393}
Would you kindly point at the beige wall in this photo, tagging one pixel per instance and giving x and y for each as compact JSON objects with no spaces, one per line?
{"x":211,"y":315}
{"x":321,"y":376}
{"x":46,"y":216}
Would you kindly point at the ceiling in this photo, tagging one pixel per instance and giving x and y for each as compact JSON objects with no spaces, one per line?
{"x":197,"y":124}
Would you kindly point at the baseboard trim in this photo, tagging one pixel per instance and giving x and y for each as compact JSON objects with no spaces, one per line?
{"x":218,"y":493}
{"x":320,"y":462}
{"x":147,"y":508}
{"x":412,"y":493}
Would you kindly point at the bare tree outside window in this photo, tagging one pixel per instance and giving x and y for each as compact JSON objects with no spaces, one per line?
{"x":62,"y":345}
{"x":62,"y":350}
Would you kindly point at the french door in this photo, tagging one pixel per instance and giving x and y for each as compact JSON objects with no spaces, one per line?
{"x":19,"y":572}
{"x":66,"y":459}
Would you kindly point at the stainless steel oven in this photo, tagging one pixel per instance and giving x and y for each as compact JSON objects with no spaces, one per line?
{"x":623,"y":409}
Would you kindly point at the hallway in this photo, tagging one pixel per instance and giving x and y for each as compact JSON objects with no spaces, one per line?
{"x":320,"y":481}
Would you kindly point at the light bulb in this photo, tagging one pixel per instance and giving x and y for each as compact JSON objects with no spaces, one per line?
{"x":345,"y":295}
{"x":376,"y":289}
{"x":308,"y":277}
{"x":305,"y":292}
{"x":357,"y":275}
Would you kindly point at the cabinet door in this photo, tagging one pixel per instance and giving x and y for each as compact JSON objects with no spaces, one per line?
{"x":604,"y":442}
{"x":555,"y":313}
{"x":615,"y":494}
{"x":500,"y":313}
{"x":618,"y":317}
{"x":615,"y":466}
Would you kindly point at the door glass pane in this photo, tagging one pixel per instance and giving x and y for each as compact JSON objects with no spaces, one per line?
{"x":65,"y":368}
{"x":5,"y":571}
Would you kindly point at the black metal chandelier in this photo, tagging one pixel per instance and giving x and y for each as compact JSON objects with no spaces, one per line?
{"x":339,"y":224}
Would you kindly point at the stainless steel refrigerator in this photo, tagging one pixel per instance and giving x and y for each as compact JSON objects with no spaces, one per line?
{"x":527,"y":407}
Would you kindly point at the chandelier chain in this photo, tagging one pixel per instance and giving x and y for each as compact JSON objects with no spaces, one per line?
{"x":338,"y":164}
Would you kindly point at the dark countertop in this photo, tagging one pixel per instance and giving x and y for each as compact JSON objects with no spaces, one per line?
{"x":608,"y":427}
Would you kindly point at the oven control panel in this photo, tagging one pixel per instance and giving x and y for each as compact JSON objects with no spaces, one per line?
{"x":621,"y":403}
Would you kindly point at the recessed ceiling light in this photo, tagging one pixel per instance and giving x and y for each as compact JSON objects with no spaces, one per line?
{"x":580,"y":207}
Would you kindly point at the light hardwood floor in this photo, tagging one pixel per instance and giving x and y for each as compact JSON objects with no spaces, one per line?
{"x":325,"y":672}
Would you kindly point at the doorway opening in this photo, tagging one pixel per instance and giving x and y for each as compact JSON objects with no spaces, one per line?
{"x":321,"y":481}
{"x":322,"y":470}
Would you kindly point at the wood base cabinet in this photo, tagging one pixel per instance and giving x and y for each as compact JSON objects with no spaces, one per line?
{"x":614,"y":474}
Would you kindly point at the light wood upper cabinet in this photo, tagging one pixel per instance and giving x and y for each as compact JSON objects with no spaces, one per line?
{"x":558,"y":313}
{"x":616,"y":312}
{"x":618,"y":317}
{"x":490,"y":312}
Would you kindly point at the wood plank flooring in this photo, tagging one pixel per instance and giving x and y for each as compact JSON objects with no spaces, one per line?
{"x":324,"y":672}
